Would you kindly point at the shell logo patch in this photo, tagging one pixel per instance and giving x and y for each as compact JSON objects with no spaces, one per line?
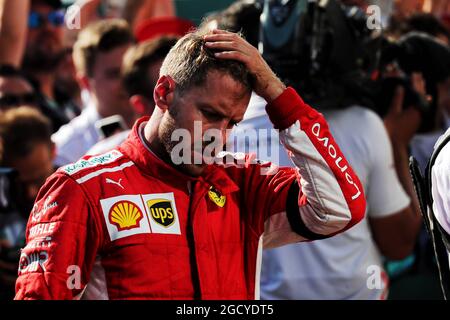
{"x":216,"y":197}
{"x":125,"y":215}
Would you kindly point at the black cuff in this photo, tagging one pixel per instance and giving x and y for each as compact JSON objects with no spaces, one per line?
{"x":294,"y":217}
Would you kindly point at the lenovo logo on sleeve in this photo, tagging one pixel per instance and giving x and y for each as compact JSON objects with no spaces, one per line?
{"x":340,"y":163}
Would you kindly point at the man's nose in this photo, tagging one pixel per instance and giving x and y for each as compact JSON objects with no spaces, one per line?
{"x":225,"y":125}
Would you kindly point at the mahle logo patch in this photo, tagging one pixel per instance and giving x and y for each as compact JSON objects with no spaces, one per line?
{"x":125,"y":215}
{"x":161,"y":211}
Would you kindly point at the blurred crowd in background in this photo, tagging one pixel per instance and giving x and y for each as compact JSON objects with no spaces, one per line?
{"x":75,"y":75}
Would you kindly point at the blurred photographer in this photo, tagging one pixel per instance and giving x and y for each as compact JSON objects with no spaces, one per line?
{"x":26,"y":160}
{"x":423,"y":49}
{"x":426,"y":41}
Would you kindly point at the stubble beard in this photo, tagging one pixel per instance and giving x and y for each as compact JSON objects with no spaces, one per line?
{"x":165,"y":136}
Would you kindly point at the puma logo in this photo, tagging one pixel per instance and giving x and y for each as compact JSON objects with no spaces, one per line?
{"x":108,"y":180}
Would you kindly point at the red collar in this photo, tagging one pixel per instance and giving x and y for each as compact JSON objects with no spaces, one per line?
{"x":148,"y":163}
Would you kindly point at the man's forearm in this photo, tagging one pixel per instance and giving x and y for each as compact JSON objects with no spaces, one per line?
{"x":13,"y":26}
{"x":332,"y":197}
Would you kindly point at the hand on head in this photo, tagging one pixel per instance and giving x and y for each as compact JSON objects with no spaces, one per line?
{"x":232,"y":46}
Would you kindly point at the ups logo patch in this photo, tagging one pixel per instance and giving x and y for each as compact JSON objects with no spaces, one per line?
{"x":161,"y":211}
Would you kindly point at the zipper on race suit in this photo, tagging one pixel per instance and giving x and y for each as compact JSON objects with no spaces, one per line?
{"x":195,"y":277}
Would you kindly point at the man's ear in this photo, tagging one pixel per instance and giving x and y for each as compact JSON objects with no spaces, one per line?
{"x":164,"y":92}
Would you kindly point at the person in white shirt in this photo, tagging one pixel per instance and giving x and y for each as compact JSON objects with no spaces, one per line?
{"x":340,"y":268}
{"x":434,"y":194}
{"x":440,"y":185}
{"x":98,"y":55}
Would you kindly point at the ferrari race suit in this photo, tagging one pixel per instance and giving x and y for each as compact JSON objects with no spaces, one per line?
{"x":126,"y":225}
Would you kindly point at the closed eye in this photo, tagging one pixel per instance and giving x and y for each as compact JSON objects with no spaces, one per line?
{"x":212,"y":116}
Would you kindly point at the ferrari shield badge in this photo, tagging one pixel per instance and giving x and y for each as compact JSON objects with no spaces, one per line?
{"x":216,"y":197}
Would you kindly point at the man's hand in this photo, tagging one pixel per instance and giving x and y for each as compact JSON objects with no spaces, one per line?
{"x":402,"y":124}
{"x":232,"y":46}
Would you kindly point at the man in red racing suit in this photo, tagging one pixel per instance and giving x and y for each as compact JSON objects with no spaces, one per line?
{"x":129,"y":224}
